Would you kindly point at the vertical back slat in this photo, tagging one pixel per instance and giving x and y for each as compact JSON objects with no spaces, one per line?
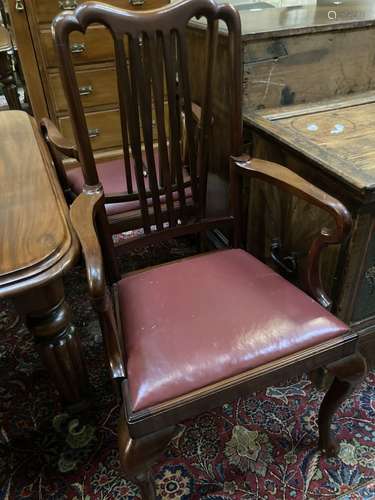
{"x":174,"y":117}
{"x":206,"y":116}
{"x":236,"y":88}
{"x":131,"y":103}
{"x":157,"y":77}
{"x":142,"y":78}
{"x":187,"y":106}
{"x":120,"y":67}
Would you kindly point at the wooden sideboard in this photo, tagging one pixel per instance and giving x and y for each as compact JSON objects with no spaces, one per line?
{"x":290,"y":56}
{"x":296,"y":61}
{"x":332,"y":145}
{"x":93,"y":57}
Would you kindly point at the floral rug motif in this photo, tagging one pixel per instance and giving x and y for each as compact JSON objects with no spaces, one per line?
{"x":263,"y":446}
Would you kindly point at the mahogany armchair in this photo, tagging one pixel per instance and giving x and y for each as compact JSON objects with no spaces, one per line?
{"x":187,"y":336}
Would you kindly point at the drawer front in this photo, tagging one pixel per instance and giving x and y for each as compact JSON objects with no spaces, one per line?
{"x":105,"y":127}
{"x":95,"y":46}
{"x":97,"y":87}
{"x":46,"y":10}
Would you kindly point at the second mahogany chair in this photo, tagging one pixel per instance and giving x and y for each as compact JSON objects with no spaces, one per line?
{"x":187,"y":336}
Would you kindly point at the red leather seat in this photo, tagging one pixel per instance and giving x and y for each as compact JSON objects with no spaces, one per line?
{"x":112,"y":176}
{"x":199,"y":320}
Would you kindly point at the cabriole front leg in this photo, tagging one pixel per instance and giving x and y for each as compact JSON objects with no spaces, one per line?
{"x":48,"y":317}
{"x":347,"y":375}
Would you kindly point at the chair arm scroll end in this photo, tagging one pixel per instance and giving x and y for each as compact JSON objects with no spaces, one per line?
{"x":289,"y":181}
{"x":56,"y":140}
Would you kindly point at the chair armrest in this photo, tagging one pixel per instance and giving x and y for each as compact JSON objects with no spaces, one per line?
{"x":82,"y":214}
{"x":288,"y":181}
{"x":56,"y":140}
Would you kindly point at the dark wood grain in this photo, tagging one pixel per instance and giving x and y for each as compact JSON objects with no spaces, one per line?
{"x":42,"y":238}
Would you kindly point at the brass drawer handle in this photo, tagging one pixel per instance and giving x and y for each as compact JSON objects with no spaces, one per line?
{"x":19,"y":5}
{"x":93,"y":132}
{"x":136,"y":3}
{"x":86,"y":90}
{"x":77,"y":48}
{"x":68,"y":4}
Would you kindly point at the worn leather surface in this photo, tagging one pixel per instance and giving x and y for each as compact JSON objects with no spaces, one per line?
{"x":112,"y":176}
{"x":200,"y":320}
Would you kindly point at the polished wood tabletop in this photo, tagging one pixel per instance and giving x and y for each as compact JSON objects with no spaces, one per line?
{"x":37,"y":245}
{"x":36,"y":240}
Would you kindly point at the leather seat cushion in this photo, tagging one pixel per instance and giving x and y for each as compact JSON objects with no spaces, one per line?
{"x":112,"y":176}
{"x":193,"y":322}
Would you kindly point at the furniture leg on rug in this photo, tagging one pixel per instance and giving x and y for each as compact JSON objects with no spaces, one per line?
{"x":48,"y":317}
{"x":347,"y":373}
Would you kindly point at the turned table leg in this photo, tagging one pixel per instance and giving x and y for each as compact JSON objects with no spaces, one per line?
{"x":48,"y":317}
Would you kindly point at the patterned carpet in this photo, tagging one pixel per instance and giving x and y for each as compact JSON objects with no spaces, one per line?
{"x":261,"y":447}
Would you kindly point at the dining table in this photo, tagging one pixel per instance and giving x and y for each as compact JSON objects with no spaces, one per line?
{"x":37,"y":246}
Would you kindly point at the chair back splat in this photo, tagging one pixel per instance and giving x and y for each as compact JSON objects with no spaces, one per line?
{"x":156,"y":107}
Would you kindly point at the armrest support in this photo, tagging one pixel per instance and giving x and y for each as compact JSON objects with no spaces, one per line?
{"x":56,"y":140}
{"x":288,"y":181}
{"x":82,"y":214}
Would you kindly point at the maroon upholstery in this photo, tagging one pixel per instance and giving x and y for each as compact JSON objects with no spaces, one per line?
{"x":193,"y":322}
{"x":112,"y":176}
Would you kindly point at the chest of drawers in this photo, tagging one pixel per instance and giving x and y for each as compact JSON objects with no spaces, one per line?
{"x":93,"y":58}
